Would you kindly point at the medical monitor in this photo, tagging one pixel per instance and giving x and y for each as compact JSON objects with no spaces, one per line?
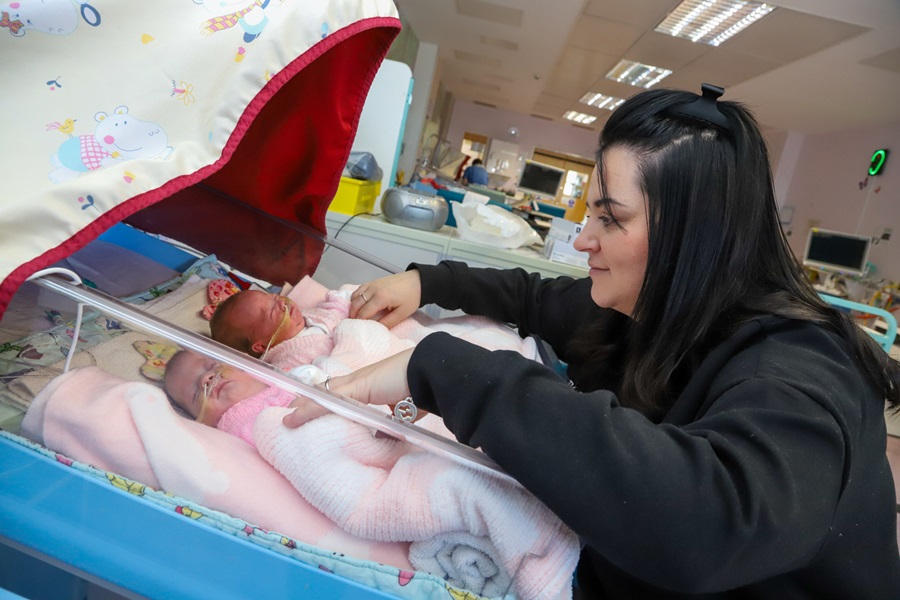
{"x":540,"y":179}
{"x":836,"y":252}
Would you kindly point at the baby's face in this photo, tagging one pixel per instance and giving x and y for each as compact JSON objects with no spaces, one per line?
{"x":204,"y":389}
{"x":264,"y":314}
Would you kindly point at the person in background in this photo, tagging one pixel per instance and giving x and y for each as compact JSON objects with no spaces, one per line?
{"x":723,"y":431}
{"x":475,"y":174}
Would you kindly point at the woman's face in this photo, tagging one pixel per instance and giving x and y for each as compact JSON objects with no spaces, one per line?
{"x":206,"y":390}
{"x":615,"y":236}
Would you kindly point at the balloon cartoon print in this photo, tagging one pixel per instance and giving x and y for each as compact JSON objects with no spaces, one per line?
{"x":55,"y":17}
{"x":118,"y":137}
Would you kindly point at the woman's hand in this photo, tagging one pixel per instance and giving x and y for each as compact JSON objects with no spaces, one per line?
{"x":388,"y":300}
{"x":383,"y":382}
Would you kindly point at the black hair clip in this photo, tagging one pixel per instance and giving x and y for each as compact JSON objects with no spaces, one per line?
{"x":704,"y":108}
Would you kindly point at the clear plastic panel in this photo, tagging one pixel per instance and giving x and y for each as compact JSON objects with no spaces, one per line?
{"x":163,"y":331}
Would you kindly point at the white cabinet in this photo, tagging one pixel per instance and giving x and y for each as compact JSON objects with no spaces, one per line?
{"x":398,"y":246}
{"x":479,"y":255}
{"x":394,"y":246}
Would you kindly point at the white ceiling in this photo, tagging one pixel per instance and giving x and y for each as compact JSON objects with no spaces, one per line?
{"x":810,"y":66}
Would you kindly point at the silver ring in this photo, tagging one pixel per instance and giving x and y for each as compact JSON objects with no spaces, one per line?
{"x":363,"y":296}
{"x":325,"y":383}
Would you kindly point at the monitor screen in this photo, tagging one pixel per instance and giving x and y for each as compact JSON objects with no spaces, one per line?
{"x":836,"y":252}
{"x":539,"y":179}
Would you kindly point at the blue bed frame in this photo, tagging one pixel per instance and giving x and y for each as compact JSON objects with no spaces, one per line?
{"x":67,"y":516}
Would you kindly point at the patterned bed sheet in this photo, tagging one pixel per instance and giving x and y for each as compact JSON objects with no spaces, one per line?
{"x":412,"y":585}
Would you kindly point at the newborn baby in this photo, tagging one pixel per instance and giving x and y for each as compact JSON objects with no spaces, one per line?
{"x":322,"y":340}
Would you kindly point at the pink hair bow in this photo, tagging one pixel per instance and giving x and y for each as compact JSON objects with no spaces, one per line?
{"x":218,"y":291}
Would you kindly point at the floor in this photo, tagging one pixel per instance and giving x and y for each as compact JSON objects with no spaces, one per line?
{"x":893,"y":453}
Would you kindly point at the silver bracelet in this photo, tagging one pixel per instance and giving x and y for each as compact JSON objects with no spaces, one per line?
{"x":405,"y":410}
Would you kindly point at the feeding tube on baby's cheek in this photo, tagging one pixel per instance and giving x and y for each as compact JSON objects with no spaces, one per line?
{"x":205,"y":390}
{"x":284,"y":321}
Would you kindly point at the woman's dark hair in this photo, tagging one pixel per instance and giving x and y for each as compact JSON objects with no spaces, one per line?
{"x":717,"y":255}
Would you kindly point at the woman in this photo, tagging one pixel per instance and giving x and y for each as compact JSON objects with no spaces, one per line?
{"x":723,"y":432}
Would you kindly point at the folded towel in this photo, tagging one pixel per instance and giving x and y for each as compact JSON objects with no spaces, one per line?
{"x":463,"y":560}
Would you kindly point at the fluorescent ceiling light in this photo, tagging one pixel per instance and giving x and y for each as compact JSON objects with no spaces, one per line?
{"x":637,"y":74}
{"x":579,"y":117}
{"x":711,"y":21}
{"x":601,"y":100}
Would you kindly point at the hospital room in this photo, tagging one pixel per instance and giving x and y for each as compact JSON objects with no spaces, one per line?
{"x":450,"y":300}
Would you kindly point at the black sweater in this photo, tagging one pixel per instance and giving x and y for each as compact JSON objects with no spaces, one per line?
{"x":766,"y":479}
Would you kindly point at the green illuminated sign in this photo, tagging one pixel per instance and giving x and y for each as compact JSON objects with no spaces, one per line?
{"x":878,"y":158}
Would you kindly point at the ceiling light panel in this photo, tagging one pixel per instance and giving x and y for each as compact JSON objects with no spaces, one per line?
{"x":637,"y":74}
{"x":712,"y":21}
{"x":601,"y":100}
{"x":579,"y":117}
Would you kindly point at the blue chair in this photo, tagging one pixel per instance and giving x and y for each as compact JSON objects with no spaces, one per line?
{"x":886,"y":339}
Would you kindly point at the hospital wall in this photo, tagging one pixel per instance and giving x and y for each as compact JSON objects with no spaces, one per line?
{"x":533,"y":131}
{"x":828,"y":188}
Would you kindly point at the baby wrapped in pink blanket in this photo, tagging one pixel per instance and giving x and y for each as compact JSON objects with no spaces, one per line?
{"x":472,"y":530}
{"x":129,"y":428}
{"x":314,"y":336}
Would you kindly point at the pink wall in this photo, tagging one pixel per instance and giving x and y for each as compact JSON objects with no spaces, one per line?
{"x":495,"y":123}
{"x":825,"y":187}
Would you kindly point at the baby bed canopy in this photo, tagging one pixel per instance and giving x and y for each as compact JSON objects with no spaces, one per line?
{"x":155,"y":113}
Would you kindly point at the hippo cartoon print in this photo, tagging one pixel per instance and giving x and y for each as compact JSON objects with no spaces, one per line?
{"x":56,"y":17}
{"x":118,"y":137}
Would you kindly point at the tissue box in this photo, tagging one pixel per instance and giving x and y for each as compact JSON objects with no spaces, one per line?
{"x":564,"y":252}
{"x":355,"y":196}
{"x":558,"y":243}
{"x":565,"y":231}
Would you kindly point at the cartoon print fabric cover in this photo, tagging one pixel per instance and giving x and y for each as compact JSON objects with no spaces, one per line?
{"x":110,"y":107}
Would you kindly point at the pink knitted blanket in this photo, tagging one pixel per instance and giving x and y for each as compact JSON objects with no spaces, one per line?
{"x":480,"y":533}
